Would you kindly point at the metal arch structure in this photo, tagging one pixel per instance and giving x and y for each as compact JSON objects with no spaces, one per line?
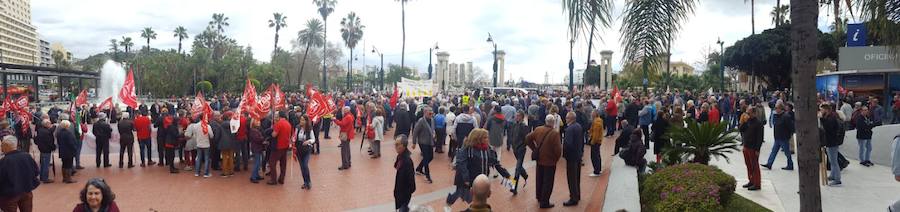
{"x":7,"y":69}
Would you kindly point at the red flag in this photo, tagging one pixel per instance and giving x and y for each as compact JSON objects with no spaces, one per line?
{"x":81,"y":99}
{"x":201,"y":108}
{"x":126,"y":94}
{"x":6,"y":107}
{"x":278,"y":101}
{"x":263,"y":104}
{"x":106,"y":104}
{"x":395,"y":97}
{"x":248,"y":99}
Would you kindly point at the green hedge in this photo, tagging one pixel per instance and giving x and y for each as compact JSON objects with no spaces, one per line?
{"x":687,"y":187}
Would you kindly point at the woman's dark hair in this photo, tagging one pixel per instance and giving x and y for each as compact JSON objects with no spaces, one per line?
{"x":306,"y":123}
{"x":99,"y":183}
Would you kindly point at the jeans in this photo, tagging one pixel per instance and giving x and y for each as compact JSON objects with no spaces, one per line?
{"x":160,"y":150}
{"x":326,"y":126}
{"x":610,"y":123}
{"x":783,"y":145}
{"x":242,"y":155}
{"x":835,"y":164}
{"x":304,"y":167}
{"x":144,"y":148}
{"x":427,"y":156}
{"x":461,"y":192}
{"x":202,"y":154}
{"x":439,"y":139}
{"x":865,"y":149}
{"x":45,"y":165}
{"x":646,"y":131}
{"x":257,"y":161}
{"x":520,"y":170}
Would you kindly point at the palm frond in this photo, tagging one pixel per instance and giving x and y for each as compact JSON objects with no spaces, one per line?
{"x":884,"y":20}
{"x":582,"y":15}
{"x":649,"y":25}
{"x":699,"y":142}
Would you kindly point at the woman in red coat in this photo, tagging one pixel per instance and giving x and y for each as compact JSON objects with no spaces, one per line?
{"x":347,"y":134}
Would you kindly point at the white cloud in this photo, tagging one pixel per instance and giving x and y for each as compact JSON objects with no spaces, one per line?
{"x":532,"y":33}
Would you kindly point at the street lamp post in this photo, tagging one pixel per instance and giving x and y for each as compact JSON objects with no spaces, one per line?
{"x":721,"y":65}
{"x":490,"y":39}
{"x":571,"y":66}
{"x":430,"y":53}
{"x":381,"y":74}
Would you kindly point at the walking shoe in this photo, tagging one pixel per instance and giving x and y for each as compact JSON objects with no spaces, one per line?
{"x":151,"y":163}
{"x":130,"y":166}
{"x":594,"y":174}
{"x":753,"y":188}
{"x":188,"y":168}
{"x":196,"y":175}
{"x":206,"y":176}
{"x":142,"y":165}
{"x":79,"y":167}
{"x":834,"y":183}
{"x":747,"y":185}
{"x":547,"y":205}
{"x":570,"y":203}
{"x":769,"y":167}
{"x":787,"y":168}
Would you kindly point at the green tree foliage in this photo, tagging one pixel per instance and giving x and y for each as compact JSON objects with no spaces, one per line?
{"x":204,"y":86}
{"x":768,"y":54}
{"x":395,"y":73}
{"x":698,"y":143}
{"x":592,"y":75}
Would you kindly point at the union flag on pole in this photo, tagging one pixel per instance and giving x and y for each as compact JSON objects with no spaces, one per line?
{"x":126,"y":94}
{"x":106,"y":104}
{"x":248,"y":99}
{"x":278,"y":101}
{"x":201,"y":108}
{"x":81,"y":99}
{"x":395,"y":97}
{"x":263,"y":104}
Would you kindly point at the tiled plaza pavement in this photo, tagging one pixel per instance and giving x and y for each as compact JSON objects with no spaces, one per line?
{"x":367,"y":186}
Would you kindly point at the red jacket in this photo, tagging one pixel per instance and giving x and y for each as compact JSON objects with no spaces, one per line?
{"x":242,"y":130}
{"x":142,"y":126}
{"x":346,"y":125}
{"x":611,"y":108}
{"x":714,"y":115}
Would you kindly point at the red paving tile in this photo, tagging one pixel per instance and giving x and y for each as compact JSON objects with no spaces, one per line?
{"x":368,"y":183}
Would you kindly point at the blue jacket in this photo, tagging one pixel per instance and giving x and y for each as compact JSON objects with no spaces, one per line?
{"x":646,"y":115}
{"x":573,"y":143}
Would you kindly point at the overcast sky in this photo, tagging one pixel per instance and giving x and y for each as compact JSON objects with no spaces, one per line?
{"x":532,"y":32}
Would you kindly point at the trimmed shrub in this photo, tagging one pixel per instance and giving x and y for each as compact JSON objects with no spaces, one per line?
{"x":204,"y":86}
{"x":687,"y":187}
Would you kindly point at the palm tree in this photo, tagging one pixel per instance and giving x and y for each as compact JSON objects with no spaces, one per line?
{"x":351,"y":32}
{"x":148,"y":34}
{"x":126,"y":44}
{"x":278,"y":21}
{"x":804,"y":48}
{"x":648,"y":26}
{"x":701,"y":142}
{"x":584,"y":13}
{"x":882,"y":16}
{"x":114,"y":46}
{"x":403,"y":28}
{"x":779,"y":14}
{"x":326,"y":7}
{"x":181,"y":34}
{"x":218,"y":25}
{"x":311,"y":37}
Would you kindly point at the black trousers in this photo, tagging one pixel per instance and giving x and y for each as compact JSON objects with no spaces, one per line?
{"x":102,"y":151}
{"x":440,"y":136}
{"x":646,"y":131}
{"x":170,"y":158}
{"x":451,"y":150}
{"x":544,"y":185}
{"x":427,"y":156}
{"x":401,"y":201}
{"x":596,"y":160}
{"x":161,"y":150}
{"x":573,"y":176}
{"x":326,"y":126}
{"x":215,"y":156}
{"x":126,"y":148}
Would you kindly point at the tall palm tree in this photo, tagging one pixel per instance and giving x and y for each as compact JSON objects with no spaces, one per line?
{"x":882,"y":16}
{"x":311,"y":37}
{"x":403,"y":28}
{"x":148,"y":34}
{"x":351,"y":32}
{"x":779,"y":14}
{"x":326,"y":7}
{"x":583,"y":14}
{"x":181,"y":34}
{"x":114,"y":46}
{"x":804,"y":48}
{"x":218,"y":24}
{"x":278,"y":21}
{"x":126,"y":44}
{"x":648,"y":26}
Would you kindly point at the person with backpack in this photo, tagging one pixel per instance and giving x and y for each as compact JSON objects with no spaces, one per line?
{"x":864,"y":125}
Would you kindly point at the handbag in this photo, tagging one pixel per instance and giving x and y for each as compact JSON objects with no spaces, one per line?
{"x":370,"y":131}
{"x":536,"y":153}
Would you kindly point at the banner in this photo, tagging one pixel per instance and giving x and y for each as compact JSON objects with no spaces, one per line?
{"x":106,"y":104}
{"x":278,"y":101}
{"x":81,"y":99}
{"x":126,"y":94}
{"x":416,"y":88}
{"x":248,"y":99}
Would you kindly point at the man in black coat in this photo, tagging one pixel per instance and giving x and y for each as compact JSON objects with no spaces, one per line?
{"x":18,"y":177}
{"x":102,"y":133}
{"x":752,"y":136}
{"x":126,"y":139}
{"x":516,"y":138}
{"x":403,"y":120}
{"x":573,"y":149}
{"x":46,"y":145}
{"x":631,"y":111}
{"x":68,"y":147}
{"x":405,"y":180}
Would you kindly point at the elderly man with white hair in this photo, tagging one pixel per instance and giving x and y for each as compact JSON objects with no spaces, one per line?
{"x":46,"y":145}
{"x":102,"y":133}
{"x":547,"y":149}
{"x":346,"y":134}
{"x":18,"y":177}
{"x":68,"y":149}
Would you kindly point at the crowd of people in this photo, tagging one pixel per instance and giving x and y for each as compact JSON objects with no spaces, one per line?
{"x":471,"y":127}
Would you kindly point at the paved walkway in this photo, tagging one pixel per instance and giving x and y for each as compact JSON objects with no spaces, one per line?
{"x":367,"y":186}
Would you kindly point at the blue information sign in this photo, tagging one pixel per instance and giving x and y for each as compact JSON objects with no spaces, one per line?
{"x":856,"y":35}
